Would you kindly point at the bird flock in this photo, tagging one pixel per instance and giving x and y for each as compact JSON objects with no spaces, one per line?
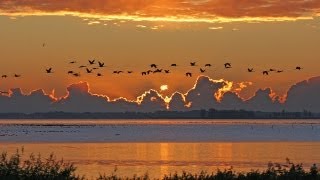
{"x":94,"y":65}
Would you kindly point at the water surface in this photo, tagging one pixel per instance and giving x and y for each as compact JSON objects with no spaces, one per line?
{"x":165,"y":146}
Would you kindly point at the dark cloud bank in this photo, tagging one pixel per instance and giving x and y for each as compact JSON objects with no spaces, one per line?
{"x":302,"y":96}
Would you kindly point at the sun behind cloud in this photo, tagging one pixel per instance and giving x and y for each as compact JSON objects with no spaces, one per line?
{"x":164,"y":87}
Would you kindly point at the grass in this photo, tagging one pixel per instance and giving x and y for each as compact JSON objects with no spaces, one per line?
{"x":38,"y":168}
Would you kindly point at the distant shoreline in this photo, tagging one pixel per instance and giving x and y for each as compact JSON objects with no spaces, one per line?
{"x":195,"y":114}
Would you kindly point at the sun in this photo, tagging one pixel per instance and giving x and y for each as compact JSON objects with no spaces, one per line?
{"x":164,"y":87}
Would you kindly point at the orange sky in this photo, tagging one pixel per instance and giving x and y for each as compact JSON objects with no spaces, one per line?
{"x":130,"y":35}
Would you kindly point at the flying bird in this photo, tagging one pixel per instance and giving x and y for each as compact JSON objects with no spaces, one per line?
{"x":250,"y":70}
{"x":227,"y":65}
{"x":89,"y":71}
{"x":101,"y":64}
{"x":99,"y":74}
{"x":129,"y":72}
{"x":208,"y":65}
{"x":49,"y":71}
{"x":4,"y":76}
{"x":279,"y":71}
{"x":82,"y":66}
{"x":149,"y":71}
{"x":76,"y":74}
{"x":91,"y":62}
{"x":95,"y":68}
{"x":153,"y":66}
{"x":188,"y":74}
{"x":271,"y":70}
{"x":44,"y":44}
{"x":265,"y":73}
{"x":17,"y":75}
{"x":117,"y":72}
{"x":144,"y":73}
{"x":173,"y":64}
{"x":167,"y":71}
{"x":157,"y":71}
{"x":298,"y":68}
{"x":202,"y":70}
{"x":70,"y":72}
{"x":72,"y":62}
{"x":192,"y":63}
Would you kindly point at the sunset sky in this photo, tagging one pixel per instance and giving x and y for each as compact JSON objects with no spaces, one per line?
{"x":132,"y":34}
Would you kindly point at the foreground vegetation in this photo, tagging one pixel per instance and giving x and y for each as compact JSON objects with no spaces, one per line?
{"x":37,"y":168}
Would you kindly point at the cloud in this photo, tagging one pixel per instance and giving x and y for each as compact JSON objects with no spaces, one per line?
{"x":205,"y":94}
{"x":202,"y":95}
{"x":36,"y":101}
{"x":151,"y":101}
{"x":177,"y":102}
{"x":262,"y":101}
{"x":168,"y":10}
{"x":304,"y":95}
{"x":215,"y":28}
{"x":80,"y":99}
{"x":231,"y":101}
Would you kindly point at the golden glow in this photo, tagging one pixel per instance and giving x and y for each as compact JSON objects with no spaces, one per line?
{"x":227,"y":87}
{"x":215,"y":28}
{"x":159,"y":158}
{"x":168,"y":18}
{"x":164,"y":87}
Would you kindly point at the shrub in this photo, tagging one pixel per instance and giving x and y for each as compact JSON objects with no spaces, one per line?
{"x":35,"y":168}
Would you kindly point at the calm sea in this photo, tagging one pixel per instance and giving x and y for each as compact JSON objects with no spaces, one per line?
{"x":165,"y":146}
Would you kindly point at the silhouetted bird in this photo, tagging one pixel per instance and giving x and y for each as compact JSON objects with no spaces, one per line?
{"x":17,"y":75}
{"x":88,"y":70}
{"x":279,"y":71}
{"x":4,"y":76}
{"x":157,"y":71}
{"x":70,"y":72}
{"x":271,"y":70}
{"x":167,"y":71}
{"x":153,"y":66}
{"x":265,"y":72}
{"x":76,"y":74}
{"x":101,"y":64}
{"x":202,"y":70}
{"x":44,"y":44}
{"x":207,"y":65}
{"x":149,"y":71}
{"x":99,"y":74}
{"x":117,"y":72}
{"x":189,"y":74}
{"x":193,"y":64}
{"x":129,"y":72}
{"x":72,"y":62}
{"x":227,"y":65}
{"x":250,"y":69}
{"x":144,"y":73}
{"x":91,"y":62}
{"x":298,"y":68}
{"x":82,"y":66}
{"x":173,"y":64}
{"x":95,"y":68}
{"x":48,"y":71}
